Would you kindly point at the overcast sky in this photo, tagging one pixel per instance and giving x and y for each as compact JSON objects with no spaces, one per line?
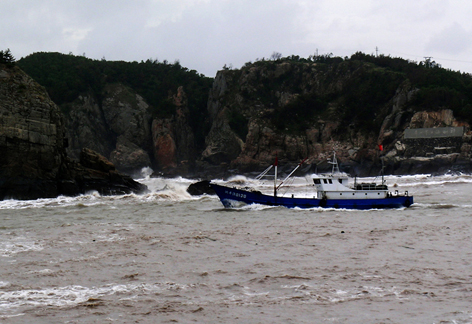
{"x":204,"y":35}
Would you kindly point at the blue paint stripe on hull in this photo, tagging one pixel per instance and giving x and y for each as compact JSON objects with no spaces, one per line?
{"x":230,"y":195}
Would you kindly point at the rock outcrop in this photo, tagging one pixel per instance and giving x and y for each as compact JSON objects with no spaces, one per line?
{"x":240,"y":97}
{"x":117,"y":126}
{"x":95,"y":173}
{"x":33,"y":158}
{"x":200,"y":188}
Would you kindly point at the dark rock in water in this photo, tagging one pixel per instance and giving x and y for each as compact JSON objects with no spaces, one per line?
{"x":200,"y":188}
{"x":95,"y":172}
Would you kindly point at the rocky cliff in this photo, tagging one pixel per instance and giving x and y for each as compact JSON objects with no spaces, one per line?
{"x":173,"y":139}
{"x":147,"y":114}
{"x":33,"y":158}
{"x":118,"y":127}
{"x":32,"y":137}
{"x":436,"y":155}
{"x":153,"y":114}
{"x":308,"y":110}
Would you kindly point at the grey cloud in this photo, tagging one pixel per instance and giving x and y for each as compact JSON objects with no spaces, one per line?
{"x":207,"y":34}
{"x":451,"y":40}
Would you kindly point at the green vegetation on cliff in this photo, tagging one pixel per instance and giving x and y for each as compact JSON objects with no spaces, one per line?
{"x":438,"y":88}
{"x":67,"y":76}
{"x":292,"y":93}
{"x":356,"y":91}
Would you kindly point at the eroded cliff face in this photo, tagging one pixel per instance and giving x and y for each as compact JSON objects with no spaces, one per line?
{"x":259,"y":96}
{"x":256,"y":115}
{"x":33,"y":159}
{"x":120,"y":127}
{"x":294,"y":110}
{"x":173,"y":139}
{"x":31,"y":135}
{"x":117,"y":127}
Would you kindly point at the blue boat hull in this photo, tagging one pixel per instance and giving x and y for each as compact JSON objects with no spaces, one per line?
{"x":231,"y":197}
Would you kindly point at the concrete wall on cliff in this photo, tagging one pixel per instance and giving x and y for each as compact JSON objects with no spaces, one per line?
{"x":431,"y":154}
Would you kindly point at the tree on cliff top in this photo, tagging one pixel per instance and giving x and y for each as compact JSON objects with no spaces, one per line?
{"x":7,"y":58}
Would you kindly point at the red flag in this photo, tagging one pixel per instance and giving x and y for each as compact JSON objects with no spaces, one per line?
{"x":381,"y":147}
{"x":276,"y":160}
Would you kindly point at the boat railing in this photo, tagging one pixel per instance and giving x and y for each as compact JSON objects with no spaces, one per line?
{"x":370,"y":186}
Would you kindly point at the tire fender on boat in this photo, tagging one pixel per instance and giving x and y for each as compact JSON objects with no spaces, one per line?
{"x":323,"y":201}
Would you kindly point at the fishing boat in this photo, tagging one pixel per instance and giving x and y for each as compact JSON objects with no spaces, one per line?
{"x":328,"y":190}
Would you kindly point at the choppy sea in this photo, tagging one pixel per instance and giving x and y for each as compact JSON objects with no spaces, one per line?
{"x":168,"y":257}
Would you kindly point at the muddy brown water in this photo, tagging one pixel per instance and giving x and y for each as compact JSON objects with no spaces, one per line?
{"x":167,"y":257}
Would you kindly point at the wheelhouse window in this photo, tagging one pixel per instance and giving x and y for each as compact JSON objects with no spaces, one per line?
{"x":317,"y":181}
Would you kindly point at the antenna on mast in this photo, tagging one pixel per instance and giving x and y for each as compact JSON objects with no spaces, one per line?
{"x":335,"y":168}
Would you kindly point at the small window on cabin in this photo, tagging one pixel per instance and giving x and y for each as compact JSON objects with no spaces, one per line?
{"x":330,"y":181}
{"x":340,"y":181}
{"x":317,"y":181}
{"x":340,"y":193}
{"x":325,"y":181}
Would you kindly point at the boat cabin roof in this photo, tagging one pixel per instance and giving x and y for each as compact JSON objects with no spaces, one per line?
{"x":340,"y":182}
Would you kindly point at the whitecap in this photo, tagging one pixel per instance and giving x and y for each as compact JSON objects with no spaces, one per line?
{"x":18,"y":245}
{"x":72,"y":295}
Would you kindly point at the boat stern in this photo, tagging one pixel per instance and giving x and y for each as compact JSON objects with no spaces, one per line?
{"x":408,"y":201}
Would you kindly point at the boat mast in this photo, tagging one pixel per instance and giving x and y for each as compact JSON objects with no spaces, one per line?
{"x":275,"y":175}
{"x":335,"y":168}
{"x":382,"y":161}
{"x":296,"y":168}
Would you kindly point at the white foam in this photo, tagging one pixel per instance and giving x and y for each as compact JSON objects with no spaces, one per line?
{"x":74,"y":295}
{"x":175,"y":189}
{"x":238,"y":179}
{"x":256,"y":207}
{"x":146,"y":172}
{"x":60,"y":201}
{"x":160,"y":189}
{"x":43,"y":272}
{"x":20,"y":244}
